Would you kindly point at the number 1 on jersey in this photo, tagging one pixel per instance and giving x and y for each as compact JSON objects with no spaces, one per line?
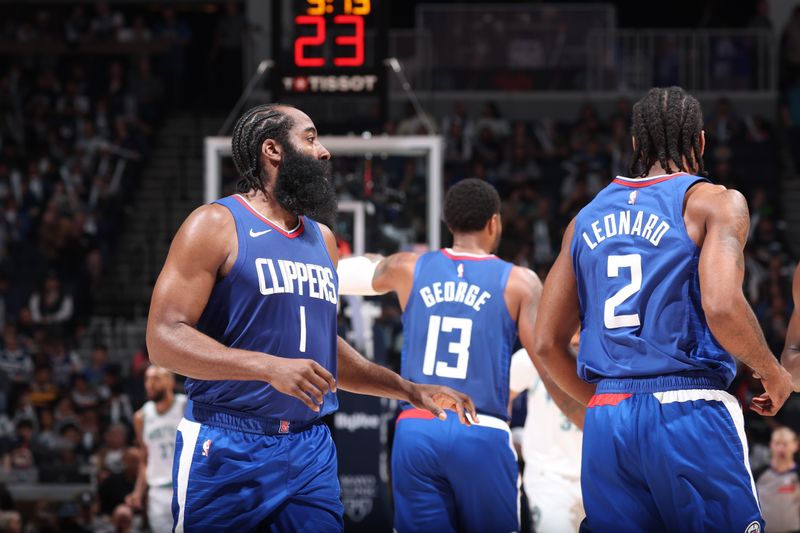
{"x":615,"y":263}
{"x":303,"y":328}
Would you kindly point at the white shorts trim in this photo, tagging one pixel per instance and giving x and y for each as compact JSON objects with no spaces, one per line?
{"x":189,"y":432}
{"x":733,"y":407}
{"x":497,"y":423}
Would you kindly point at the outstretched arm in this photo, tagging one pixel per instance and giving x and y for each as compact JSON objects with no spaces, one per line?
{"x":202,"y":248}
{"x":556,"y":322}
{"x":371,"y":274}
{"x":358,"y":375}
{"x":728,"y":314}
{"x":528,"y":285}
{"x":791,"y":351}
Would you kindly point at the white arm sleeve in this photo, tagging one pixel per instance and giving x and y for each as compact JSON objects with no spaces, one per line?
{"x":522,"y":374}
{"x":355,"y":276}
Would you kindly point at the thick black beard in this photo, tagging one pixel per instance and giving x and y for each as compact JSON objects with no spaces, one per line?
{"x":304,"y":187}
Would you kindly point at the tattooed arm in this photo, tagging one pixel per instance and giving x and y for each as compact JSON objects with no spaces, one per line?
{"x":727,"y":311}
{"x":526,"y":288}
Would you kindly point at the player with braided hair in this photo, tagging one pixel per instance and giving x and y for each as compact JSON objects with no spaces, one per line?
{"x":245,"y":307}
{"x":652,"y":270}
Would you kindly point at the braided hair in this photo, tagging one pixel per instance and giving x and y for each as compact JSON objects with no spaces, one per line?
{"x":268,"y":121}
{"x":667,"y":123}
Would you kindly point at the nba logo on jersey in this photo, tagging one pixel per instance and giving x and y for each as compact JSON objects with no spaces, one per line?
{"x":460,"y":270}
{"x":632,"y":197}
{"x":284,"y":427}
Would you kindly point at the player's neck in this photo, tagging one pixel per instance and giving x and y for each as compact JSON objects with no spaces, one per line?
{"x":268,"y":206}
{"x":658,"y":170}
{"x":469,"y":244}
{"x":164,"y":405}
{"x":782,"y":466}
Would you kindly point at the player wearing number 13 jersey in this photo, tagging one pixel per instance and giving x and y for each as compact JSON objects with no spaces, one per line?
{"x":463,"y":308}
{"x":652,"y":268}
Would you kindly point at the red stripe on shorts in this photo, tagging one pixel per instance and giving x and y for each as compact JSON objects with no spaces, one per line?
{"x":416,"y":413}
{"x":599,"y":400}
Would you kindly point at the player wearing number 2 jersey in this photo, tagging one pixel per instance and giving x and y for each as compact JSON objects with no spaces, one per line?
{"x":652,"y":272}
{"x":463,"y":308}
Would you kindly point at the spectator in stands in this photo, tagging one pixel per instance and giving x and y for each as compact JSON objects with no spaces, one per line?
{"x":176,"y":35}
{"x":138,"y":32}
{"x":82,"y":393}
{"x":779,"y":484}
{"x":65,"y":363}
{"x":115,"y":487}
{"x":106,"y":23}
{"x":19,"y":461}
{"x":761,"y":20}
{"x":110,"y":455}
{"x":226,"y":52}
{"x":15,"y":360}
{"x":51,"y":306}
{"x":723,"y":124}
{"x":491,"y":118}
{"x":43,"y":390}
{"x":10,"y":522}
{"x":76,"y":26}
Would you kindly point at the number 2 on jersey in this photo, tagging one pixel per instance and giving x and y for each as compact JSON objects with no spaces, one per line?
{"x":447,"y":324}
{"x":615,"y":263}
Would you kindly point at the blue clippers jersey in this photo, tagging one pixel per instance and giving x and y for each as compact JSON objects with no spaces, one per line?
{"x":279,"y":298}
{"x":638,"y":285}
{"x":456,"y":327}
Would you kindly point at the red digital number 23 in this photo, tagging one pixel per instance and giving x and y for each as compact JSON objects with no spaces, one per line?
{"x":300,"y":43}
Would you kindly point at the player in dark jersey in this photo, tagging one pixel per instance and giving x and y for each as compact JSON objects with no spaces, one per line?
{"x":652,"y":270}
{"x":463,"y":308}
{"x":245,"y":306}
{"x":791,"y":351}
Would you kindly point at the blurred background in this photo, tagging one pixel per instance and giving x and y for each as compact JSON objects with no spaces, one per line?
{"x":104,"y":108}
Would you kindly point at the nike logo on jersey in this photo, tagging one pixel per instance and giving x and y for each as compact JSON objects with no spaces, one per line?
{"x":258,"y":233}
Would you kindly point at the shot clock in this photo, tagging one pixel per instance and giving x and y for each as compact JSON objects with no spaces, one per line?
{"x":332,"y":50}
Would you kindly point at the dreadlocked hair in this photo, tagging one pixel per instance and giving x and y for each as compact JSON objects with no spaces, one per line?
{"x":667,"y":123}
{"x":258,"y":124}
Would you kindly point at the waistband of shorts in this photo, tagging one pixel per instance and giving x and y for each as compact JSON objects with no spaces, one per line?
{"x":213,"y":415}
{"x":669,"y":382}
{"x":484,"y":419}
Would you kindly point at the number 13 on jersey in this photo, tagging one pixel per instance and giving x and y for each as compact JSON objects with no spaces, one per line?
{"x":460,"y":348}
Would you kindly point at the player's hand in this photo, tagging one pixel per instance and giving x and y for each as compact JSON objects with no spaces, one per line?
{"x":134,"y":501}
{"x":436,"y":398}
{"x":304,"y":379}
{"x":778,"y":388}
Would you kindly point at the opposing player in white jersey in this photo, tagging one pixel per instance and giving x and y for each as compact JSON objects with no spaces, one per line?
{"x":551,"y":447}
{"x":156,"y":424}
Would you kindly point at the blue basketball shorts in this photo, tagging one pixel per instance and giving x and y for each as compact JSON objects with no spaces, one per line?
{"x":667,"y":461}
{"x":229,"y":475}
{"x":447,"y":477}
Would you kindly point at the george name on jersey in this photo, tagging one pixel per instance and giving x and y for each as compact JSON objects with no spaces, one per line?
{"x":450,"y":291}
{"x":282,"y":276}
{"x":626,"y":223}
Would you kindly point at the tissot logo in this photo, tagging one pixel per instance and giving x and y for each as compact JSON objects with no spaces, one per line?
{"x":330,"y":84}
